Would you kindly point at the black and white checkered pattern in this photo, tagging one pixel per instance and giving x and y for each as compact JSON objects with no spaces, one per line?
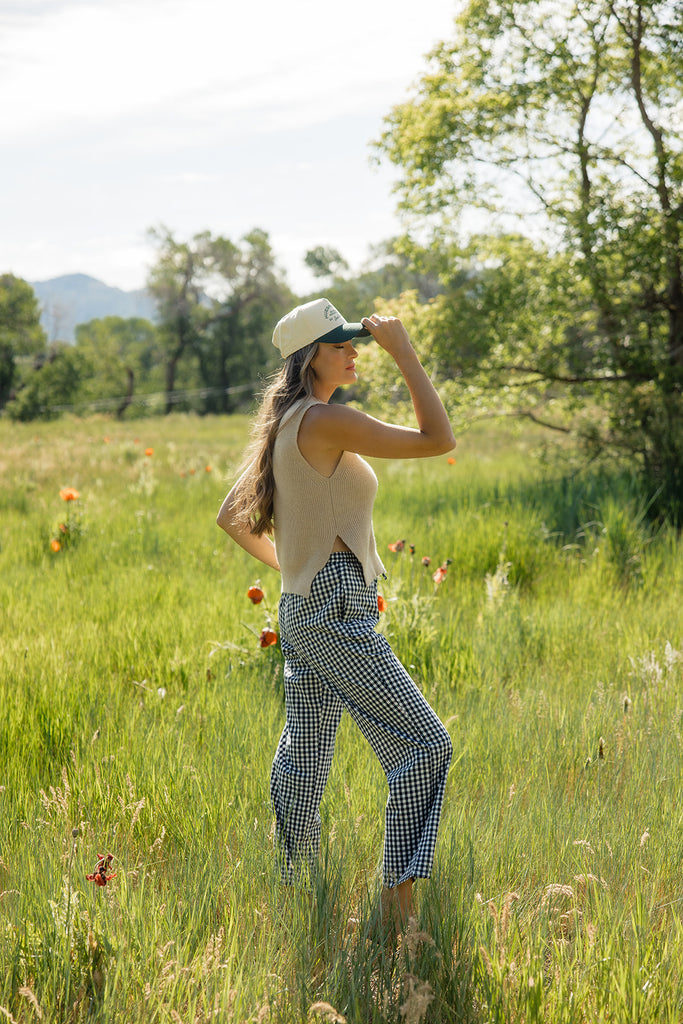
{"x":334,"y":659}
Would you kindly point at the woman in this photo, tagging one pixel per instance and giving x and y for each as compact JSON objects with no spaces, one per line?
{"x":306,"y":483}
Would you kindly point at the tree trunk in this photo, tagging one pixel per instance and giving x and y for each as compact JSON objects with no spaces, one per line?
{"x":129,"y":394}
{"x":171,"y":367}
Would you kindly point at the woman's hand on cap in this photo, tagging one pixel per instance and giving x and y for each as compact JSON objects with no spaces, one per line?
{"x":388,"y":332}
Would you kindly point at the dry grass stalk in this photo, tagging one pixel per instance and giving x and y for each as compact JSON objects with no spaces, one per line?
{"x":413,"y":937}
{"x":326,"y":1010}
{"x":420,"y":995}
{"x":26,"y":992}
{"x":583,"y":881}
{"x":555,"y":890}
{"x":487,"y":961}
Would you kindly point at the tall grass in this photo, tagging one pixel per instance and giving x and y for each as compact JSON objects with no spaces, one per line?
{"x":139,"y":716}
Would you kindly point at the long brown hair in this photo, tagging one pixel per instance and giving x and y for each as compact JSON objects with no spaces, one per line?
{"x":253,"y":505}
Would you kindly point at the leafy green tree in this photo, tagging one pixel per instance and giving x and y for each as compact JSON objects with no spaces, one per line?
{"x":176,"y":282}
{"x":125,"y":357}
{"x":325,"y":261}
{"x":558,"y":121}
{"x":388,"y":272}
{"x":21,"y":334}
{"x":217,"y":301}
{"x":235,"y":347}
{"x":53,"y":386}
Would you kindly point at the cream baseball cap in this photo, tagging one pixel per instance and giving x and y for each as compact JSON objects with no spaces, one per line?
{"x":314,"y":321}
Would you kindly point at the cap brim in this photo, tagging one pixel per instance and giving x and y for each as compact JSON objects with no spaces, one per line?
{"x":345,"y":332}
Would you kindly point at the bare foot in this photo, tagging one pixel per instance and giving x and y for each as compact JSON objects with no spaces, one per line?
{"x":397,"y":905}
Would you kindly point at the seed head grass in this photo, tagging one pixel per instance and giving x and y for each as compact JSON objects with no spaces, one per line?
{"x":139,"y":719}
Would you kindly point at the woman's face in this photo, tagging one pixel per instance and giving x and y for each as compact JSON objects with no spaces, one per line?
{"x":334,"y":365}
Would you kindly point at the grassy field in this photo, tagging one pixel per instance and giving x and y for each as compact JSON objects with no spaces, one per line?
{"x":139,"y":715}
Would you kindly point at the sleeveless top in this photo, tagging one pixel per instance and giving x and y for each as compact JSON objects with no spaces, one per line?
{"x":311,"y":510}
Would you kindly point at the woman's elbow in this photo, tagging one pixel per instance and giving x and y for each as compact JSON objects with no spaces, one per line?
{"x":442,"y":444}
{"x":225,"y":518}
{"x":449,"y":442}
{"x":224,"y":522}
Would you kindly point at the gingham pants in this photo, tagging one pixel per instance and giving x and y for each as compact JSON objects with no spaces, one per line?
{"x":334,"y":659}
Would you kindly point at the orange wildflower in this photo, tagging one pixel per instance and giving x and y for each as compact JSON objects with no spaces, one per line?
{"x":55,"y":545}
{"x":381,"y":603}
{"x":441,"y":573}
{"x":426,"y":561}
{"x":255,"y":594}
{"x":149,"y":451}
{"x":69,"y":494}
{"x":397,"y":546}
{"x":207,"y":469}
{"x":268,"y":637}
{"x":99,"y":875}
{"x":451,"y":461}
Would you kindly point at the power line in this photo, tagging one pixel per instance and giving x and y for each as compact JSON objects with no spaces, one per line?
{"x":153,"y":398}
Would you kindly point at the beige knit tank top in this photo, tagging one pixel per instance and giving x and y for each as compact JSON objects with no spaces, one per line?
{"x":310,"y":510}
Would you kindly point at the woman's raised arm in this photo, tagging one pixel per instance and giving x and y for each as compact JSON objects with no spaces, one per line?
{"x":340,"y":428}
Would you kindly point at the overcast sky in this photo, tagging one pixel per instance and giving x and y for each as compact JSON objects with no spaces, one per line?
{"x":118,"y":115}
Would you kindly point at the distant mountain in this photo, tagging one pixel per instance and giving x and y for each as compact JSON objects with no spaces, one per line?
{"x":76,"y":298}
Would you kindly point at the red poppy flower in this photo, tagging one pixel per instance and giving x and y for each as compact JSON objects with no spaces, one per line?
{"x":99,"y":875}
{"x":381,"y":603}
{"x":268,"y":637}
{"x":207,"y":469}
{"x":149,"y":451}
{"x":255,"y":594}
{"x":397,"y":546}
{"x":55,"y":545}
{"x":451,"y":461}
{"x":69,"y":494}
{"x":440,"y":574}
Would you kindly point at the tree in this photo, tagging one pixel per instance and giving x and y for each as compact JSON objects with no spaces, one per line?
{"x":125,"y":357}
{"x":176,"y":281}
{"x":217,"y":299}
{"x":557,"y":121}
{"x":324,"y":261}
{"x":52,"y":386}
{"x":235,"y":347}
{"x":20,"y":331}
{"x":387,"y":273}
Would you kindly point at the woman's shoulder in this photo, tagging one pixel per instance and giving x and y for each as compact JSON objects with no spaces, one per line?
{"x":299,"y":409}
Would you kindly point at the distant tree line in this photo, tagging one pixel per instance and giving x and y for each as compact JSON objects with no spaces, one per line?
{"x":555,"y":124}
{"x":217,"y":303}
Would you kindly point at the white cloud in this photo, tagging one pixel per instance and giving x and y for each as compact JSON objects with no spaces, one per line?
{"x":118,"y":114}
